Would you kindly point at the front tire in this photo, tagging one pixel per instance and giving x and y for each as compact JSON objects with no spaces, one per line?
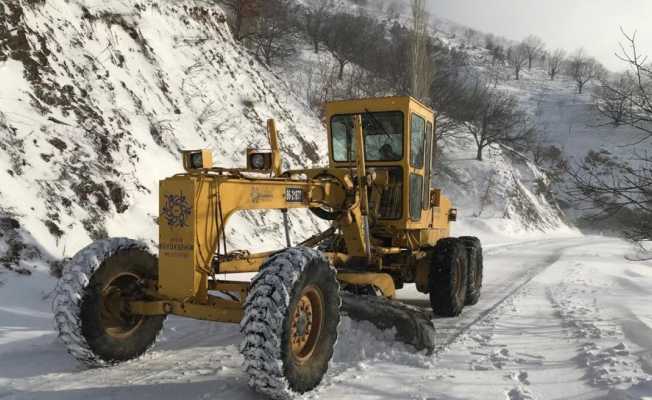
{"x":290,"y":323}
{"x":448,"y":277}
{"x":91,"y":302}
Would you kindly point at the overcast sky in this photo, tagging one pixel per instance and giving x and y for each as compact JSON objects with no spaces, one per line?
{"x":569,"y":24}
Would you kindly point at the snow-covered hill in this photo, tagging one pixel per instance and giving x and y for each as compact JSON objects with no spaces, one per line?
{"x":505,"y":194}
{"x":97,"y":98}
{"x":563,"y":118}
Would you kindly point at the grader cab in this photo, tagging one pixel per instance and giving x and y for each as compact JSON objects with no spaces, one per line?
{"x":388,"y":228}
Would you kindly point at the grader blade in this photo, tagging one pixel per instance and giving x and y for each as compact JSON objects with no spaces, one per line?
{"x":413,"y":325}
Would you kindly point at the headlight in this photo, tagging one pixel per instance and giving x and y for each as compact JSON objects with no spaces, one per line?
{"x":196,"y":161}
{"x":452,"y":214}
{"x":258,"y":161}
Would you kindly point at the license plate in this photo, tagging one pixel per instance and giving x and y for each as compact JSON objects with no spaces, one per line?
{"x":294,"y":195}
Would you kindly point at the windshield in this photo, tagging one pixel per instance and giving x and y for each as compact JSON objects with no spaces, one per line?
{"x":383,"y":133}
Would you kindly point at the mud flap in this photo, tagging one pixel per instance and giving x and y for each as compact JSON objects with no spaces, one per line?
{"x":413,"y":325}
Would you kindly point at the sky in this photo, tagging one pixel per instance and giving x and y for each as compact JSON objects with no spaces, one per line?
{"x":568,"y":24}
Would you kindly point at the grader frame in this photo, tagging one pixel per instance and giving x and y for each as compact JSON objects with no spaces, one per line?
{"x":388,"y":228}
{"x":196,"y":205}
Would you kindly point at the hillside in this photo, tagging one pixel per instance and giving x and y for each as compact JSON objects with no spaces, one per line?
{"x":566,"y":125}
{"x":98,"y":99}
{"x":502,"y":196}
{"x":96,"y":109}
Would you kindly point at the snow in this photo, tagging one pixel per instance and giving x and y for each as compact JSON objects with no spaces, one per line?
{"x":561,"y":315}
{"x":147,"y":80}
{"x":558,"y":318}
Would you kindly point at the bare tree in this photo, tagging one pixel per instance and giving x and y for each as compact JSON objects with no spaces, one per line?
{"x":358,"y":39}
{"x":420,"y":63}
{"x":633,"y":89}
{"x":517,"y":56}
{"x":449,"y":93}
{"x":276,"y":33}
{"x":617,"y":189}
{"x":583,"y":69}
{"x":343,"y":39}
{"x":492,"y":116}
{"x":613,"y":98}
{"x":315,"y":19}
{"x":555,"y":62}
{"x":242,"y":11}
{"x":397,"y":51}
{"x":533,"y":47}
{"x":614,"y":189}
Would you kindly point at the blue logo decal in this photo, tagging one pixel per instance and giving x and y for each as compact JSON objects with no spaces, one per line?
{"x":176,"y":210}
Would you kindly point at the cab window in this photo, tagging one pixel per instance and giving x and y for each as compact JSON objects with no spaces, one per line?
{"x":418,"y":134}
{"x":383,"y":136}
{"x":416,"y":192}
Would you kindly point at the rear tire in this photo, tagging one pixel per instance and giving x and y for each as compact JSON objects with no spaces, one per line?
{"x":290,"y":323}
{"x":475,"y":269}
{"x":90,"y":303}
{"x":448,"y":277}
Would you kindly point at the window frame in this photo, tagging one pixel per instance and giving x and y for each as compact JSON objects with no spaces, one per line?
{"x":332,"y":141}
{"x":423,"y":144}
{"x":416,"y":212}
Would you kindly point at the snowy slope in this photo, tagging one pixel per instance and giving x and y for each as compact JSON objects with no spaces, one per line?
{"x":505,"y":194}
{"x":97,"y":100}
{"x":570,"y":122}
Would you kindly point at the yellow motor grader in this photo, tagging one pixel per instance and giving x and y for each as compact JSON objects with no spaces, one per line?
{"x":388,"y":228}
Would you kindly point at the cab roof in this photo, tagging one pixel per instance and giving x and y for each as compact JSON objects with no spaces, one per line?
{"x":383,"y":103}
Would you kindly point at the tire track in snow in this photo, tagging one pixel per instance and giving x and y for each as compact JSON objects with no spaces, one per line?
{"x":454,"y":328}
{"x":451,"y":337}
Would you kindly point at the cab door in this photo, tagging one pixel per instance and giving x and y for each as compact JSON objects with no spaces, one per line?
{"x":419,"y":166}
{"x":416,"y":165}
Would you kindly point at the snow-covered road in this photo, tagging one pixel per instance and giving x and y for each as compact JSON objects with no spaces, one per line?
{"x":559,"y":319}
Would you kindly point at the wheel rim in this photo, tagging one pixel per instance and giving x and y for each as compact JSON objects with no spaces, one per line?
{"x":117,"y":320}
{"x":307,"y":321}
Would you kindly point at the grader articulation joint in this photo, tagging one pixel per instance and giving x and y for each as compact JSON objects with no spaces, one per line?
{"x":388,"y":228}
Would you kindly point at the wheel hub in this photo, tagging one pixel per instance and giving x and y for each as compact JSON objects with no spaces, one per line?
{"x":115,"y":316}
{"x":307,"y":321}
